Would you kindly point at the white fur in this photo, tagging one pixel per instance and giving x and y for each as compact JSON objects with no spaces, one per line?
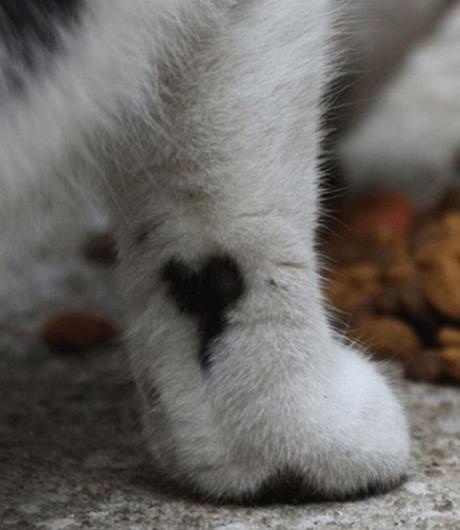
{"x":109,"y":69}
{"x":200,"y":122}
{"x":375,"y":36}
{"x":411,"y":137}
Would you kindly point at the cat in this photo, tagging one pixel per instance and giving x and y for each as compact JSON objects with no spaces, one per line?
{"x":199,"y":124}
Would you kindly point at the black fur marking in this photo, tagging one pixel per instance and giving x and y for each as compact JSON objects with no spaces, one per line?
{"x":289,"y":487}
{"x":206,"y":292}
{"x":283,"y":488}
{"x":30,"y":29}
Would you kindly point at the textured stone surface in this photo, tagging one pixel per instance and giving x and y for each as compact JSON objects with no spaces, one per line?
{"x":71,"y":454}
{"x":71,"y":457}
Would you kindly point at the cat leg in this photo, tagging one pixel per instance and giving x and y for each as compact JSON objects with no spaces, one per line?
{"x":245,"y":385}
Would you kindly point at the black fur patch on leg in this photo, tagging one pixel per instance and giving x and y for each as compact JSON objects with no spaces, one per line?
{"x":206,"y":292}
{"x":30,"y":31}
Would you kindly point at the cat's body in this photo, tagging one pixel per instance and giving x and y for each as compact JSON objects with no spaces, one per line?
{"x":198,"y":121}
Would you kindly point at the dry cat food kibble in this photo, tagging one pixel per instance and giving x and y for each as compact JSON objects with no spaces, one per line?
{"x":395,"y":280}
{"x":77,"y":331}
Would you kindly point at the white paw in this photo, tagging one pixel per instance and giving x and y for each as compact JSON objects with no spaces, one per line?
{"x":329,"y":428}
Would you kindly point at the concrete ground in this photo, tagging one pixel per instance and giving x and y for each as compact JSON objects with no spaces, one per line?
{"x":71,"y":455}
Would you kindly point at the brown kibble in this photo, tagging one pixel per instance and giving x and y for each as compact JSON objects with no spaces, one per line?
{"x":405,"y":299}
{"x":451,"y":359}
{"x":452,"y":224}
{"x":414,"y":302}
{"x":425,"y":366}
{"x":440,"y":279}
{"x":389,"y":301}
{"x":384,"y":246}
{"x":399,"y":280}
{"x":387,"y":336}
{"x":400,"y":271}
{"x":426,"y":234}
{"x":77,"y":331}
{"x":438,"y":264}
{"x":379,"y":245}
{"x":387,"y":209}
{"x":352,"y":286}
{"x":439,"y":237}
{"x":449,"y":337}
